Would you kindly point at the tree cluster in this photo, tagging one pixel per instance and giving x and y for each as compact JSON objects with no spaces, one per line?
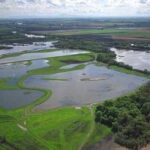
{"x":129,"y":118}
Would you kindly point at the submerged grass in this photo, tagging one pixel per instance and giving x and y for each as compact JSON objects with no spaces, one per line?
{"x":5,"y":86}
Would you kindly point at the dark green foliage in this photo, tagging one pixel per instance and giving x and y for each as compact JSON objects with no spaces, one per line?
{"x":134,"y":135}
{"x":108,"y":58}
{"x":120,"y":64}
{"x":80,"y":44}
{"x":5,"y":47}
{"x":129,"y":118}
{"x":146,"y":111}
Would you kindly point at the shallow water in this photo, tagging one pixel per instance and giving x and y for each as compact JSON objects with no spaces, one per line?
{"x":10,"y":99}
{"x":90,"y":85}
{"x":16,"y":48}
{"x":137,"y":59}
{"x":14,"y":70}
{"x":40,"y":55}
{"x":16,"y":98}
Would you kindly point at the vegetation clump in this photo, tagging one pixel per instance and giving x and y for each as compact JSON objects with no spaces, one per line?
{"x":106,"y":57}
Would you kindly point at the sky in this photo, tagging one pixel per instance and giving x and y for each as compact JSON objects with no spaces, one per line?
{"x":73,"y":8}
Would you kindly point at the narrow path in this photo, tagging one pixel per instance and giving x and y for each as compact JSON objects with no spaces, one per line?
{"x":21,"y":127}
{"x":91,"y":128}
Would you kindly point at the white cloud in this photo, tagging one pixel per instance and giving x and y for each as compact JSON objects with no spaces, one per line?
{"x":66,"y":8}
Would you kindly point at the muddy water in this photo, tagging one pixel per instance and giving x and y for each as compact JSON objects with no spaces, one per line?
{"x":90,"y":85}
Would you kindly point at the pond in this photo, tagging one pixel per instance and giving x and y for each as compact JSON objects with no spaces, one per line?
{"x":137,"y":59}
{"x":92,"y":84}
{"x":10,"y":99}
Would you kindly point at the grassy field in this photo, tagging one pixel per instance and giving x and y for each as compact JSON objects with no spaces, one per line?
{"x":54,"y":129}
{"x":138,"y":33}
{"x":86,"y":31}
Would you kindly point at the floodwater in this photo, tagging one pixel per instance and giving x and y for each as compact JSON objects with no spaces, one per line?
{"x":14,"y":70}
{"x":17,"y":48}
{"x":89,"y":85}
{"x":40,"y":55}
{"x":34,"y":36}
{"x":75,"y":88}
{"x":10,"y":99}
{"x":137,"y":59}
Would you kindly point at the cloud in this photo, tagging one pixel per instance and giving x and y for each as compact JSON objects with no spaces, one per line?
{"x":66,"y":8}
{"x":2,"y":1}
